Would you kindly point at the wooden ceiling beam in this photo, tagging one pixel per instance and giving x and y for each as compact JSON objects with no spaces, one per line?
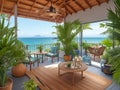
{"x":107,"y":1}
{"x":2,"y":4}
{"x":6,"y":9}
{"x":68,"y":11}
{"x":98,"y":2}
{"x":86,"y":1}
{"x":32,"y":17}
{"x":47,"y":3}
{"x":32,"y":8}
{"x":79,"y":5}
{"x":13,"y":9}
{"x":55,"y":1}
{"x":41,"y":4}
{"x":65,"y":3}
{"x":72,"y":8}
{"x":33,"y":5}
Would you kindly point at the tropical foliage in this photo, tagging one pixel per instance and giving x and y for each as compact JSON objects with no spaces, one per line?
{"x":107,"y":43}
{"x":113,"y":34}
{"x":75,"y":45}
{"x":67,"y":32}
{"x":30,"y":85}
{"x":11,"y":50}
{"x":114,"y":59}
{"x":85,"y":46}
{"x":40,"y":47}
{"x":114,"y":18}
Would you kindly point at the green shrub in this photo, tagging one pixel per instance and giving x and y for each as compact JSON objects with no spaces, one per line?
{"x":30,"y":85}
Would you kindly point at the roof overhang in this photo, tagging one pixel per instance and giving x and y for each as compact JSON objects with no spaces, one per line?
{"x":37,"y":9}
{"x":97,"y":13}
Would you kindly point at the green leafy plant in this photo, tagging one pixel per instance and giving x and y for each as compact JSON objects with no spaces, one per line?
{"x":69,"y":65}
{"x":30,"y":85}
{"x":11,"y":50}
{"x":112,"y":57}
{"x":85,"y":46}
{"x":107,"y":43}
{"x":40,"y":48}
{"x":114,"y":18}
{"x":66,"y":33}
{"x":113,"y":35}
{"x":114,"y":60}
{"x":106,"y":57}
{"x":75,"y":45}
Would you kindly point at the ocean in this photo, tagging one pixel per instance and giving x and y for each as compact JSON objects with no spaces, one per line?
{"x":50,"y":40}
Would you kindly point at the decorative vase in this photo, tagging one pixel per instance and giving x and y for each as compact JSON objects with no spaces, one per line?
{"x":19,"y":70}
{"x":8,"y":85}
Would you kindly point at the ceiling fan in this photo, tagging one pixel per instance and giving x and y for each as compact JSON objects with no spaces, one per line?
{"x":51,"y":10}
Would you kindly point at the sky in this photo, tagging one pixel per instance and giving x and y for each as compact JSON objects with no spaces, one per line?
{"x":34,"y":28}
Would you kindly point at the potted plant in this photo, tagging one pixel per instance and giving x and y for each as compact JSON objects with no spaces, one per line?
{"x":85,"y":46}
{"x":105,"y":66}
{"x":10,"y":53}
{"x":40,"y":48}
{"x":65,"y":34}
{"x":30,"y":85}
{"x":19,"y":69}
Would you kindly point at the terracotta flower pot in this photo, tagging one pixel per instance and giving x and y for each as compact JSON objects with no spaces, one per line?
{"x":19,"y":70}
{"x":8,"y":85}
{"x":40,"y":51}
{"x":67,"y":57}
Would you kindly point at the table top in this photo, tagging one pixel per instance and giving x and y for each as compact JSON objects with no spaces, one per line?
{"x":40,"y":52}
{"x":63,"y":66}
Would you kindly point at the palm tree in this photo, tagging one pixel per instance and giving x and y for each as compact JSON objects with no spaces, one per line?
{"x":67,"y":32}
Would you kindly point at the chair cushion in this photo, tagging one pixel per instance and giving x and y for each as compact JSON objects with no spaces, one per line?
{"x":32,"y":59}
{"x":86,"y":58}
{"x":51,"y":54}
{"x":54,"y":49}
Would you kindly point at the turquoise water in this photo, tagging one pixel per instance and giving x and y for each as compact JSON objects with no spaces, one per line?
{"x":50,"y":40}
{"x":44,"y":40}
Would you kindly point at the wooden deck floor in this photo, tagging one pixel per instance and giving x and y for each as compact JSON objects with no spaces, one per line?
{"x":47,"y":79}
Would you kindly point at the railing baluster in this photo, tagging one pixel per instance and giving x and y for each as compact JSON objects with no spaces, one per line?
{"x":33,"y":48}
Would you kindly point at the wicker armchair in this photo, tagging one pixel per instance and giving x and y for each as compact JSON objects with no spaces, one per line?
{"x":96,"y":51}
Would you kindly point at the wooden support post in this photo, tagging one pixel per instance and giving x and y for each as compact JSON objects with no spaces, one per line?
{"x":15,"y":14}
{"x":81,"y":36}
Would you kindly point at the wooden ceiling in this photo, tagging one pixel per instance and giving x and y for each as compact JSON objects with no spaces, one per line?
{"x":39,"y":9}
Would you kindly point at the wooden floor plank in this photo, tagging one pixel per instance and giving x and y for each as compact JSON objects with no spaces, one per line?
{"x":51,"y":79}
{"x":40,"y":85}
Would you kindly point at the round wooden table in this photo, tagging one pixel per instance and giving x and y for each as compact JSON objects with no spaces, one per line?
{"x":40,"y":53}
{"x":63,"y":67}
